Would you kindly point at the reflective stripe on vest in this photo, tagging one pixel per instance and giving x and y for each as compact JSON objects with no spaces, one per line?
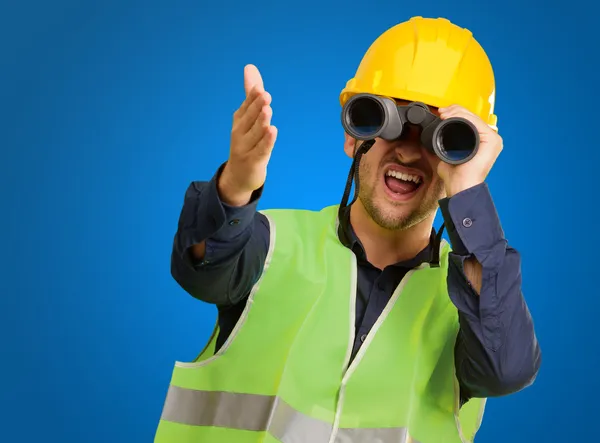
{"x":252,"y":412}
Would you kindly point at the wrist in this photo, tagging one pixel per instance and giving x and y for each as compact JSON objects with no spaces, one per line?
{"x":457,"y":187}
{"x":229,"y":193}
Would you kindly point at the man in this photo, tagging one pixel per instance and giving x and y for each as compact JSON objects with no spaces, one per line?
{"x":355,"y":323}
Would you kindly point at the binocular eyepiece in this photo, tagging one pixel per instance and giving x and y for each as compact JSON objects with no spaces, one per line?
{"x":366,"y":116}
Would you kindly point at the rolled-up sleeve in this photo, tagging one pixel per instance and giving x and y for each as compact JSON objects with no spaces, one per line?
{"x":497,"y":352}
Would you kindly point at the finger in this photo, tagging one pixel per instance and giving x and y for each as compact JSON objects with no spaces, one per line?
{"x":457,"y":111}
{"x":265,"y":146}
{"x":262,"y":123}
{"x":454,"y":110}
{"x":253,"y":86}
{"x":252,"y":96}
{"x":453,"y":107}
{"x":252,"y":79}
{"x":248,"y":119}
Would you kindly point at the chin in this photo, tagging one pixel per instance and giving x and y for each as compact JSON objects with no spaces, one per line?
{"x":390,"y":214}
{"x":397,"y":214}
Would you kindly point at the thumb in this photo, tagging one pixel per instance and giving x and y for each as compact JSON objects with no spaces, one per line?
{"x":252,"y":78}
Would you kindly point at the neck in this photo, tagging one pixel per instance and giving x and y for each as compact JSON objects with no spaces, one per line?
{"x":384,"y":247}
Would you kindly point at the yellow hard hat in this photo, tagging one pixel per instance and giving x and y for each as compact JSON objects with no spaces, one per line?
{"x":428,"y":60}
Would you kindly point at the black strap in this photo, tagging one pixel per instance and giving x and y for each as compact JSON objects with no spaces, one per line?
{"x":435,"y":260}
{"x":353,"y":174}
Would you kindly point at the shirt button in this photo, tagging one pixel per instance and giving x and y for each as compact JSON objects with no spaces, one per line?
{"x":363,"y":338}
{"x":467,"y":222}
{"x":234,"y":221}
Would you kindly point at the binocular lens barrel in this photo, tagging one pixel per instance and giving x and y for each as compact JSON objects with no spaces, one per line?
{"x":367,"y":116}
{"x":455,"y":140}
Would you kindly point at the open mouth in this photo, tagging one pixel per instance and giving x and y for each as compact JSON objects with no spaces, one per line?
{"x":400,"y":185}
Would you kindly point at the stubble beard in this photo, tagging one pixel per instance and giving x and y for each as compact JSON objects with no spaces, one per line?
{"x":390,"y":218}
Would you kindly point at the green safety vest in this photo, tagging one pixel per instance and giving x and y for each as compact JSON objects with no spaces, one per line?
{"x":284,"y":375}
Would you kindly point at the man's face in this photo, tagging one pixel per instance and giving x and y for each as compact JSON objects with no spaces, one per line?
{"x":399,"y":185}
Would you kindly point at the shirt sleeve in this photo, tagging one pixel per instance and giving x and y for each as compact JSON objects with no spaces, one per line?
{"x":237,"y":241}
{"x":497,"y":352}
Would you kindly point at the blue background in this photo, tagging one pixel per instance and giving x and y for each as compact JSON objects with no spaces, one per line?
{"x":110,"y":109}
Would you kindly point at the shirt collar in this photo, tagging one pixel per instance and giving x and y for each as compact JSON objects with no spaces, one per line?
{"x":349,"y":239}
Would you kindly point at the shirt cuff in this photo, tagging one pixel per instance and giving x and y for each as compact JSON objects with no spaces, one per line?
{"x":233,"y":220}
{"x":207,"y":218}
{"x":472,"y":222}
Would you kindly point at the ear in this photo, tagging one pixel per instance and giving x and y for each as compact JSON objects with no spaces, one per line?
{"x":349,"y":145}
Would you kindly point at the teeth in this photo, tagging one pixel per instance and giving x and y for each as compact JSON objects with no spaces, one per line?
{"x":405,"y":177}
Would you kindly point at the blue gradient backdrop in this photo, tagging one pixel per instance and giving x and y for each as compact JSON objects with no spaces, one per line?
{"x":109,"y":109}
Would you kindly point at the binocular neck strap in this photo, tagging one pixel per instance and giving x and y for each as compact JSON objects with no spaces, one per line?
{"x":353,"y":174}
{"x":435,"y":256}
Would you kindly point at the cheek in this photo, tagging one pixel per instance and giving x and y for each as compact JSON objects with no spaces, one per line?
{"x":432,"y":160}
{"x":368,"y":166}
{"x":367,"y":174}
{"x":436,"y":181}
{"x":437,"y":189}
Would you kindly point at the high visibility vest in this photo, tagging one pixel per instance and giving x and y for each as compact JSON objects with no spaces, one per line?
{"x":284,"y":374}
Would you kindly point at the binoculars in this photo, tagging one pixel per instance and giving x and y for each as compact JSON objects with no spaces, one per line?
{"x":366,"y":116}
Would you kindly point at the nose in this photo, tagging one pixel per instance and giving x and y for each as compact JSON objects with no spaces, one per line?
{"x":409,"y":149}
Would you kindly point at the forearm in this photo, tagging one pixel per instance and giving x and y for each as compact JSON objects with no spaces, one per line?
{"x":497,"y":352}
{"x":218,"y":250}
